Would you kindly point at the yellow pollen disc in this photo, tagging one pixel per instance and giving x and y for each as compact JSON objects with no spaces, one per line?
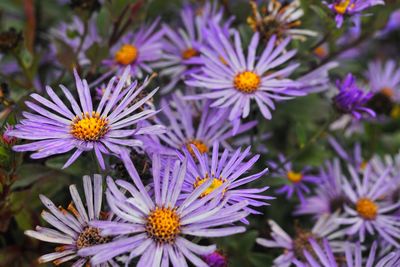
{"x":89,"y":127}
{"x":216,"y":183}
{"x":189,"y":53}
{"x":366,"y":208}
{"x":363,"y":165}
{"x":126,"y":54}
{"x":90,"y":236}
{"x":247,"y":82}
{"x":320,"y":51}
{"x":395,"y":113}
{"x":163,"y":225}
{"x":387,"y":91}
{"x":342,"y":6}
{"x":199,"y":145}
{"x":294,"y":177}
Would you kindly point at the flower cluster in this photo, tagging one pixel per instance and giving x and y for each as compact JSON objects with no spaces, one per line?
{"x":203,"y":134}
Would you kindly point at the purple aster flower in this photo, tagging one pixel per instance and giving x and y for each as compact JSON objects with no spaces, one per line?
{"x":194,"y":122}
{"x":76,"y":37}
{"x":72,"y":231}
{"x":228,"y":168}
{"x":216,"y":259}
{"x":393,"y":23}
{"x":350,"y":7}
{"x":108,"y":129}
{"x":356,"y":159}
{"x":294,"y":181}
{"x":351,"y":99}
{"x":322,"y":255}
{"x":181,"y":47}
{"x":277,"y":18}
{"x":366,"y":213}
{"x":156,"y":226}
{"x":329,"y":196}
{"x":384,"y":81}
{"x":317,"y":80}
{"x":325,"y":227}
{"x":233,"y":80}
{"x":139,"y":50}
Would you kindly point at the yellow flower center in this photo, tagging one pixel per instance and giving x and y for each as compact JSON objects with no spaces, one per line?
{"x":366,"y":208}
{"x":247,"y":82}
{"x":294,"y":177}
{"x":395,"y":112}
{"x":343,"y":6}
{"x":387,"y":91}
{"x":223,"y":61}
{"x":89,"y":127}
{"x":126,"y":54}
{"x":189,"y":53}
{"x":199,"y":145}
{"x":363,"y":165}
{"x":163,"y":225}
{"x":320,"y":51}
{"x":215,"y":184}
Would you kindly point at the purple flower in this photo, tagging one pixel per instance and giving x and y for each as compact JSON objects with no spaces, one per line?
{"x":156,"y":226}
{"x":139,"y":50}
{"x":356,"y":159}
{"x":350,"y":7}
{"x":329,"y":196}
{"x":72,"y":231}
{"x":392,"y":24}
{"x":325,"y":227}
{"x":351,"y":99}
{"x":230,"y":168}
{"x":182,"y":46}
{"x":384,"y":81}
{"x":322,"y":255}
{"x":216,"y":259}
{"x":234,"y":81}
{"x":294,"y":182}
{"x":366,"y":213}
{"x":76,"y":37}
{"x":194,"y":123}
{"x":57,"y":129}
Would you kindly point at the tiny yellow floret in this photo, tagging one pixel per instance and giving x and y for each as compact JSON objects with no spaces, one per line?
{"x":126,"y":55}
{"x":366,"y":208}
{"x":247,"y":82}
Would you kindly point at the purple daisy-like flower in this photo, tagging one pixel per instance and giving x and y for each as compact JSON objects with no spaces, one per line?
{"x":182,"y":47}
{"x":233,"y":81}
{"x":72,"y":231}
{"x":356,"y":159}
{"x":108,"y":129}
{"x":384,"y":82}
{"x":77,"y":37}
{"x":325,"y":227}
{"x":194,"y":123}
{"x":322,"y":255}
{"x":139,"y":50}
{"x":350,"y":7}
{"x":366,"y":212}
{"x":351,"y":99}
{"x":329,"y":196}
{"x":295,"y":182}
{"x":156,"y":225}
{"x":228,"y":168}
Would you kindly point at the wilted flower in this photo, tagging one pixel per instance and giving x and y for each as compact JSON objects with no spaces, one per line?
{"x":139,"y":50}
{"x":351,"y":99}
{"x":5,"y":138}
{"x":350,"y":7}
{"x":56,"y":129}
{"x":282,"y":20}
{"x":233,"y":81}
{"x":325,"y":227}
{"x":216,"y":259}
{"x":155,"y":227}
{"x":72,"y":227}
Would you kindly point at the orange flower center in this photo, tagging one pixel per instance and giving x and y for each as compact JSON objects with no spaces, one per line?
{"x":366,"y":208}
{"x":294,"y":177}
{"x":126,"y":54}
{"x":247,"y":82}
{"x":163,"y":225}
{"x":342,"y":6}
{"x":215,"y":184}
{"x":387,"y":91}
{"x":199,"y":145}
{"x":89,"y":127}
{"x":189,"y":53}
